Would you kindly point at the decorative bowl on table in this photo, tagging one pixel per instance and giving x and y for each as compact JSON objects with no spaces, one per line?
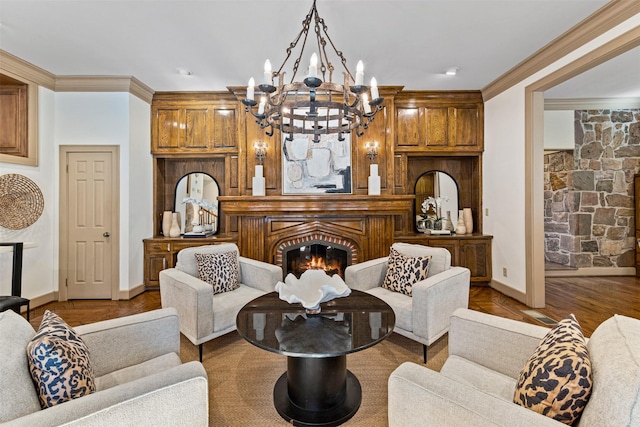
{"x":313,"y":288}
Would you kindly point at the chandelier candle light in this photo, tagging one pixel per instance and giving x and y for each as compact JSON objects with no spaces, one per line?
{"x":315,"y":106}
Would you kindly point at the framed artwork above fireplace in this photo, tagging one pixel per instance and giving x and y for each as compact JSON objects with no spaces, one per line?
{"x":316,"y":167}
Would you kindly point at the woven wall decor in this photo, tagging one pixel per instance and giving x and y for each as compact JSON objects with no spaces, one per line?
{"x":21,"y":201}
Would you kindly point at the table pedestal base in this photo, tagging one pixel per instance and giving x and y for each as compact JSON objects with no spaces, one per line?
{"x":317,"y":392}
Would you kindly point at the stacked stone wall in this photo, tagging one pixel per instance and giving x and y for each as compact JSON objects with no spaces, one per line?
{"x":589,"y":195}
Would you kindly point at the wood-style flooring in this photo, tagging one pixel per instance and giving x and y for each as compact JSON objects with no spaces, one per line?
{"x":591,"y":299}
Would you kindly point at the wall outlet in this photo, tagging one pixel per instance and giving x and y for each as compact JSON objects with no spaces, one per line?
{"x":504,"y":271}
{"x":486,"y":212}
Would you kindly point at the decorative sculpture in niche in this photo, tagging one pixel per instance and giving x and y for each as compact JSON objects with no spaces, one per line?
{"x":439,"y":192}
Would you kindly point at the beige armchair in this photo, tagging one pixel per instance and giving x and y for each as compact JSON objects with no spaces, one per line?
{"x":424,"y":316}
{"x":140,"y":379}
{"x":203,"y":315}
{"x":475,"y":387}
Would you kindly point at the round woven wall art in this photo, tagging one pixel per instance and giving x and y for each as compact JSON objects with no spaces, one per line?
{"x":21,"y":201}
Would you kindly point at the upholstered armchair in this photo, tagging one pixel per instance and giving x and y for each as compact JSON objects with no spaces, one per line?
{"x":476,"y":385}
{"x":423,"y":316}
{"x":205,"y":315}
{"x":139,"y":377}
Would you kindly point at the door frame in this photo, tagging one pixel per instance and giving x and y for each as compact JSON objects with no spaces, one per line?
{"x":63,"y":214}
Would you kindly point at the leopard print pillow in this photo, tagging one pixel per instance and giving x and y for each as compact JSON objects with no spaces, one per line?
{"x":403,"y":272}
{"x":556,"y":380}
{"x":59,"y":362}
{"x":219,"y":269}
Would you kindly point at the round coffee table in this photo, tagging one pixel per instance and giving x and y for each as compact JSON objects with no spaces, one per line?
{"x":317,"y":389}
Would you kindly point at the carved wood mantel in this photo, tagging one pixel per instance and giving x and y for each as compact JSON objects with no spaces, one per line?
{"x":368,"y":222}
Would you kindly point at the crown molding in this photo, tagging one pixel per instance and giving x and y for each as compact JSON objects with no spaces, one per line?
{"x":607,"y":17}
{"x":104,"y":84}
{"x":591,"y":103}
{"x":19,"y":67}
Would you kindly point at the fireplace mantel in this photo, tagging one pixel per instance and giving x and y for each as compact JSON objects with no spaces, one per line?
{"x":369,"y":222}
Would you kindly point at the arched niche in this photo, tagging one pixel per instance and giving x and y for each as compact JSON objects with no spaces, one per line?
{"x":438,"y":184}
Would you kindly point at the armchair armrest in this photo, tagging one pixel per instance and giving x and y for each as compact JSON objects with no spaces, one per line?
{"x":503,"y":345}
{"x":419,"y":396}
{"x":436,"y":298}
{"x":192,"y":298}
{"x":117,"y":343}
{"x":259,"y":275}
{"x":177,"y":396}
{"x":366,"y":275}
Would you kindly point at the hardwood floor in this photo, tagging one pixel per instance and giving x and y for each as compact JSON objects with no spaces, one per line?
{"x":591,"y":299}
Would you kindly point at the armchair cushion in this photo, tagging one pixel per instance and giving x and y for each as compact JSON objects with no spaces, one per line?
{"x":59,"y":362}
{"x":403,"y":271}
{"x":220,"y":270}
{"x":556,"y":380}
{"x":440,"y":258}
{"x":187,"y":260}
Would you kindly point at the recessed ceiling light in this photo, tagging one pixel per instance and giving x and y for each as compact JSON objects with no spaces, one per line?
{"x":452,"y":71}
{"x":184,"y":71}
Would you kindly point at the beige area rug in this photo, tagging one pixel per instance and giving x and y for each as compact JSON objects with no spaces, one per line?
{"x":242,"y":376}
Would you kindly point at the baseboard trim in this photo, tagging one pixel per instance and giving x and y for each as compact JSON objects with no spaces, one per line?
{"x":592,"y":271}
{"x":508,"y":291}
{"x":41,"y":300}
{"x":131,"y":293}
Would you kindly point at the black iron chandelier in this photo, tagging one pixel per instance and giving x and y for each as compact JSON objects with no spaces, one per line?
{"x":315,"y":106}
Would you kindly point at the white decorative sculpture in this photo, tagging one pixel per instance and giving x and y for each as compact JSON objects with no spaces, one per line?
{"x":313,"y":287}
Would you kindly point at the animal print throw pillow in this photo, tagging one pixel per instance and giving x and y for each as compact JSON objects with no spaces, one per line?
{"x":220,"y":270}
{"x":59,"y":362}
{"x":556,"y":380}
{"x":403,"y":272}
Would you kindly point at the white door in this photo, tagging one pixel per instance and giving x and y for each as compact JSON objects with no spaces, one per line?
{"x":90,"y":217}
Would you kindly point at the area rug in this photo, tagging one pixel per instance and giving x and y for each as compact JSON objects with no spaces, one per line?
{"x":242,"y":376}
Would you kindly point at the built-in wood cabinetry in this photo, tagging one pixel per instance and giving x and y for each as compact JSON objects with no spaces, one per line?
{"x":436,"y":122}
{"x":417,"y":132}
{"x":193,"y":122}
{"x":162,"y":252}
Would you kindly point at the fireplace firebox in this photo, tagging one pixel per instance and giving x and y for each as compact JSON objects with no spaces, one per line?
{"x":332,"y":258}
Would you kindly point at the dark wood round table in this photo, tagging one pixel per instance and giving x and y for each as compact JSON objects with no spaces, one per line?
{"x":317,"y":389}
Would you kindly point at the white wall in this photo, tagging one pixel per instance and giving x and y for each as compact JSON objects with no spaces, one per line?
{"x":503,"y":167}
{"x":559,"y":130}
{"x":77,"y":118}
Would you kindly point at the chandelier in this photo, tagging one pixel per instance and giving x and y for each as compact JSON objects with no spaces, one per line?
{"x":316,"y":106}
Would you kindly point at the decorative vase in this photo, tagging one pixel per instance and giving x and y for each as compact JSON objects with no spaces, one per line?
{"x":449,"y":223}
{"x":175,"y":227}
{"x":460,"y":227}
{"x":468,"y":220}
{"x":166,"y":223}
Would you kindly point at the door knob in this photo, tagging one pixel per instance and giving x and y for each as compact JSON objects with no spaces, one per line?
{"x":106,"y":234}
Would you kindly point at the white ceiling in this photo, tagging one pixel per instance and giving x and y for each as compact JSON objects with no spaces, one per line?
{"x":224,"y":42}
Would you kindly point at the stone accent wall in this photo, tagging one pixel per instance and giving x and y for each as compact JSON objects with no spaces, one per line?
{"x":589,"y":195}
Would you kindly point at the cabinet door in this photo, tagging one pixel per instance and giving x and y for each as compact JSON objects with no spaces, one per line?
{"x":167,"y":130}
{"x":407,"y":126}
{"x":466,"y":127}
{"x":196,"y":129}
{"x":476,"y":256}
{"x":436,"y":125}
{"x":449,"y":244}
{"x":153,"y":265}
{"x":224,"y":128}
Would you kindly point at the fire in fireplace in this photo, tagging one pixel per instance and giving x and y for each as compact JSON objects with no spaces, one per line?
{"x":331,"y":258}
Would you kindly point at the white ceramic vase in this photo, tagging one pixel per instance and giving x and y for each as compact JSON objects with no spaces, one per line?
{"x":460,"y":227}
{"x":167,"y":218}
{"x":175,"y":227}
{"x":468,"y":220}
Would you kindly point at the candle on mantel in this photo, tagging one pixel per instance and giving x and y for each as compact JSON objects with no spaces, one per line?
{"x":251,"y":89}
{"x":374,"y":89}
{"x":359,"y":73}
{"x":313,"y":66}
{"x":268,"y":77}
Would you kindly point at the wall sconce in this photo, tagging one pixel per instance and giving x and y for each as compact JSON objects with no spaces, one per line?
{"x":372,"y":150}
{"x":261,"y":150}
{"x":374,"y":179}
{"x":258,"y":183}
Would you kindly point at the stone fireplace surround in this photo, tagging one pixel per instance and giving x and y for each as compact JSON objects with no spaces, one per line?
{"x":367,"y":225}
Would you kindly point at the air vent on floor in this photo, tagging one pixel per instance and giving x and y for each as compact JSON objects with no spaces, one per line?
{"x":540,"y":317}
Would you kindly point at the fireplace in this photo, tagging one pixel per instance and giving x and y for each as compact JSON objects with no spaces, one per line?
{"x":317,"y":251}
